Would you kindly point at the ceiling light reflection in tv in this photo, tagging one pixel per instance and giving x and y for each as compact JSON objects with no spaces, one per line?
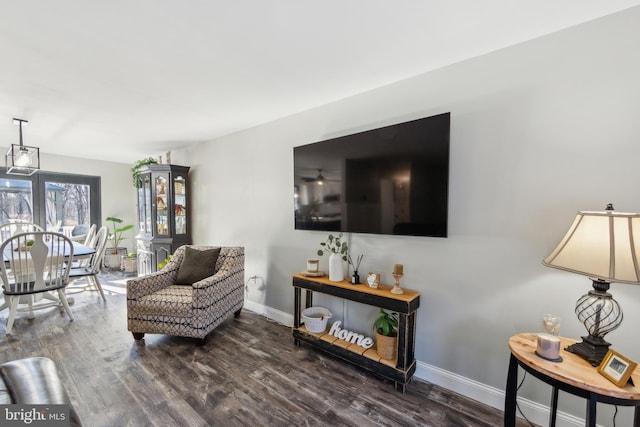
{"x":390,"y":180}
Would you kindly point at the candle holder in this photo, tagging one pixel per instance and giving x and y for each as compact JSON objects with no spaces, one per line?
{"x":396,"y":287}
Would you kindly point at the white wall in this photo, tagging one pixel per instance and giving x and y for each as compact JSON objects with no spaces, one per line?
{"x":118,"y":194}
{"x":539,"y":131}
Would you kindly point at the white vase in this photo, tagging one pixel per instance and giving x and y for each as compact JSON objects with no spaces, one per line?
{"x":336,"y":271}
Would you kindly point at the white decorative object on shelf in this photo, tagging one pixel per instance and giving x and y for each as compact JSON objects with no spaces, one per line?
{"x":352,"y":337}
{"x":373,"y":280}
{"x":315,"y":319}
{"x":336,"y":268}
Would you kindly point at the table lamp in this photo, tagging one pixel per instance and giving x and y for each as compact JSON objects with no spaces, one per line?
{"x":605,"y":246}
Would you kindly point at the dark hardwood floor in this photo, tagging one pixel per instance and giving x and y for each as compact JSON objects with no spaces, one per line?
{"x":248,"y":373}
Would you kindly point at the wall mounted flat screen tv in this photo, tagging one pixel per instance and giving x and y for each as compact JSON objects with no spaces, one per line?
{"x":390,"y":180}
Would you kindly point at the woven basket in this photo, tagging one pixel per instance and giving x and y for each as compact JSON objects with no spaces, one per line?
{"x":386,"y":346}
{"x":315,"y":319}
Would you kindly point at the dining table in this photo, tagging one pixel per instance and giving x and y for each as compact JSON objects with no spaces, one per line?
{"x":80,"y":251}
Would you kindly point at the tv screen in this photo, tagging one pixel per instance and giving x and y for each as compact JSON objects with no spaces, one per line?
{"x":390,"y":180}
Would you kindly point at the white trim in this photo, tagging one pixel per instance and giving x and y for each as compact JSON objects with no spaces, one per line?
{"x":491,"y":396}
{"x":270,"y":313}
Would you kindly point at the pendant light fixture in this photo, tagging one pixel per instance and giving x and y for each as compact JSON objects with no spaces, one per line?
{"x":22,"y":159}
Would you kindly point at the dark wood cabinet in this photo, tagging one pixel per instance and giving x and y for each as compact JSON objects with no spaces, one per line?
{"x":163,"y":214}
{"x":399,"y":370}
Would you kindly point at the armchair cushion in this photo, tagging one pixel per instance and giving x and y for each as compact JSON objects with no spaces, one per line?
{"x":197,"y":265}
{"x":171,"y":301}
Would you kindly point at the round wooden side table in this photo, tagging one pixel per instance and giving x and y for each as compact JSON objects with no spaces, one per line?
{"x":573,"y":375}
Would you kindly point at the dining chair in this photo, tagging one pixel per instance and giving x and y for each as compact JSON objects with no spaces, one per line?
{"x":55,"y":227}
{"x":35,"y":263}
{"x":12,"y":228}
{"x":91,"y":270}
{"x":91,"y":235}
{"x":90,"y":240}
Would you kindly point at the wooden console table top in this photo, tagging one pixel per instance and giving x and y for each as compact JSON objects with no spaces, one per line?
{"x":382,"y":290}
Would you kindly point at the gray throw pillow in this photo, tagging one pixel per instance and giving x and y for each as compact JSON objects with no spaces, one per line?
{"x":197,"y":265}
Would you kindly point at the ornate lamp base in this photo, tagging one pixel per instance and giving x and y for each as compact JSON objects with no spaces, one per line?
{"x":592,"y":349}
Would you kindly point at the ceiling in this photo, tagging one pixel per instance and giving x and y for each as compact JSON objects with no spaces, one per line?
{"x":125,"y":79}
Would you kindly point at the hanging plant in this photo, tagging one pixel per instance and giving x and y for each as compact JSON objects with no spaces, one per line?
{"x":135,"y":170}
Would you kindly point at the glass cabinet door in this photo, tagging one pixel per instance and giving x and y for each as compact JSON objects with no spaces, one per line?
{"x":162,"y":206}
{"x":144,"y":204}
{"x":180,"y":193}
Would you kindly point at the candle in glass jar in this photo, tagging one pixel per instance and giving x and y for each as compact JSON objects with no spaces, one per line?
{"x":397,"y":269}
{"x":548,"y":346}
{"x":312,"y":265}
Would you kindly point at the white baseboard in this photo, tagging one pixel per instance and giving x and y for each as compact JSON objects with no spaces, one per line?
{"x":491,"y":396}
{"x":270,"y":313}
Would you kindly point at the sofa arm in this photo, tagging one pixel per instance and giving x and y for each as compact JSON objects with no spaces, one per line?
{"x":35,"y":381}
{"x":146,"y":285}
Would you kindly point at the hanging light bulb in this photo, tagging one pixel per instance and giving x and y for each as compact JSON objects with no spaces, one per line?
{"x":22,"y":159}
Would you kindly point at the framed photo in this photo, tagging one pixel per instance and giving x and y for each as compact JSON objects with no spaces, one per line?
{"x":373,"y":280}
{"x":616,"y":368}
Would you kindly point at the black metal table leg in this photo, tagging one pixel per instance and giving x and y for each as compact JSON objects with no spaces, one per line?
{"x":591,"y":411}
{"x":511,"y":393}
{"x":554,"y":407}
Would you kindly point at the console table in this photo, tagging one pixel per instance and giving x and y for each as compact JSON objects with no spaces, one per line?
{"x":573,"y":375}
{"x":401,"y":369}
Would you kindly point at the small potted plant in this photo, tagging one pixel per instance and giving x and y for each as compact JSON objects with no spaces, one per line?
{"x":339,"y":251}
{"x":130,"y":263}
{"x":386,"y":328}
{"x":112,"y":254}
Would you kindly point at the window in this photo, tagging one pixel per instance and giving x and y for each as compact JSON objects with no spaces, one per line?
{"x":56,"y":201}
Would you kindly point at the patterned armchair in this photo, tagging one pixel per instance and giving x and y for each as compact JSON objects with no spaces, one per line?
{"x":157,"y":305}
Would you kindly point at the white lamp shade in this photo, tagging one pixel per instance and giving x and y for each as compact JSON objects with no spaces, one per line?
{"x":601,"y":245}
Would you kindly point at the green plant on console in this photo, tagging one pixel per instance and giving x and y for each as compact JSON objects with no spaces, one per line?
{"x":334,"y":244}
{"x":135,"y":170}
{"x":115,"y":235}
{"x":386,"y":324}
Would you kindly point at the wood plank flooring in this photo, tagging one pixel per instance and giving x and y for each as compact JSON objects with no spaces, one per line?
{"x":248,"y":373}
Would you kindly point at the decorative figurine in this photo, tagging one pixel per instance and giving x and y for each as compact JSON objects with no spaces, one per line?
{"x":373,"y":280}
{"x":397,"y":274}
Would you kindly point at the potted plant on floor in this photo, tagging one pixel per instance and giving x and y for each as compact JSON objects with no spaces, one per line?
{"x":112,"y":254}
{"x":130,"y":263}
{"x":386,"y":328}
